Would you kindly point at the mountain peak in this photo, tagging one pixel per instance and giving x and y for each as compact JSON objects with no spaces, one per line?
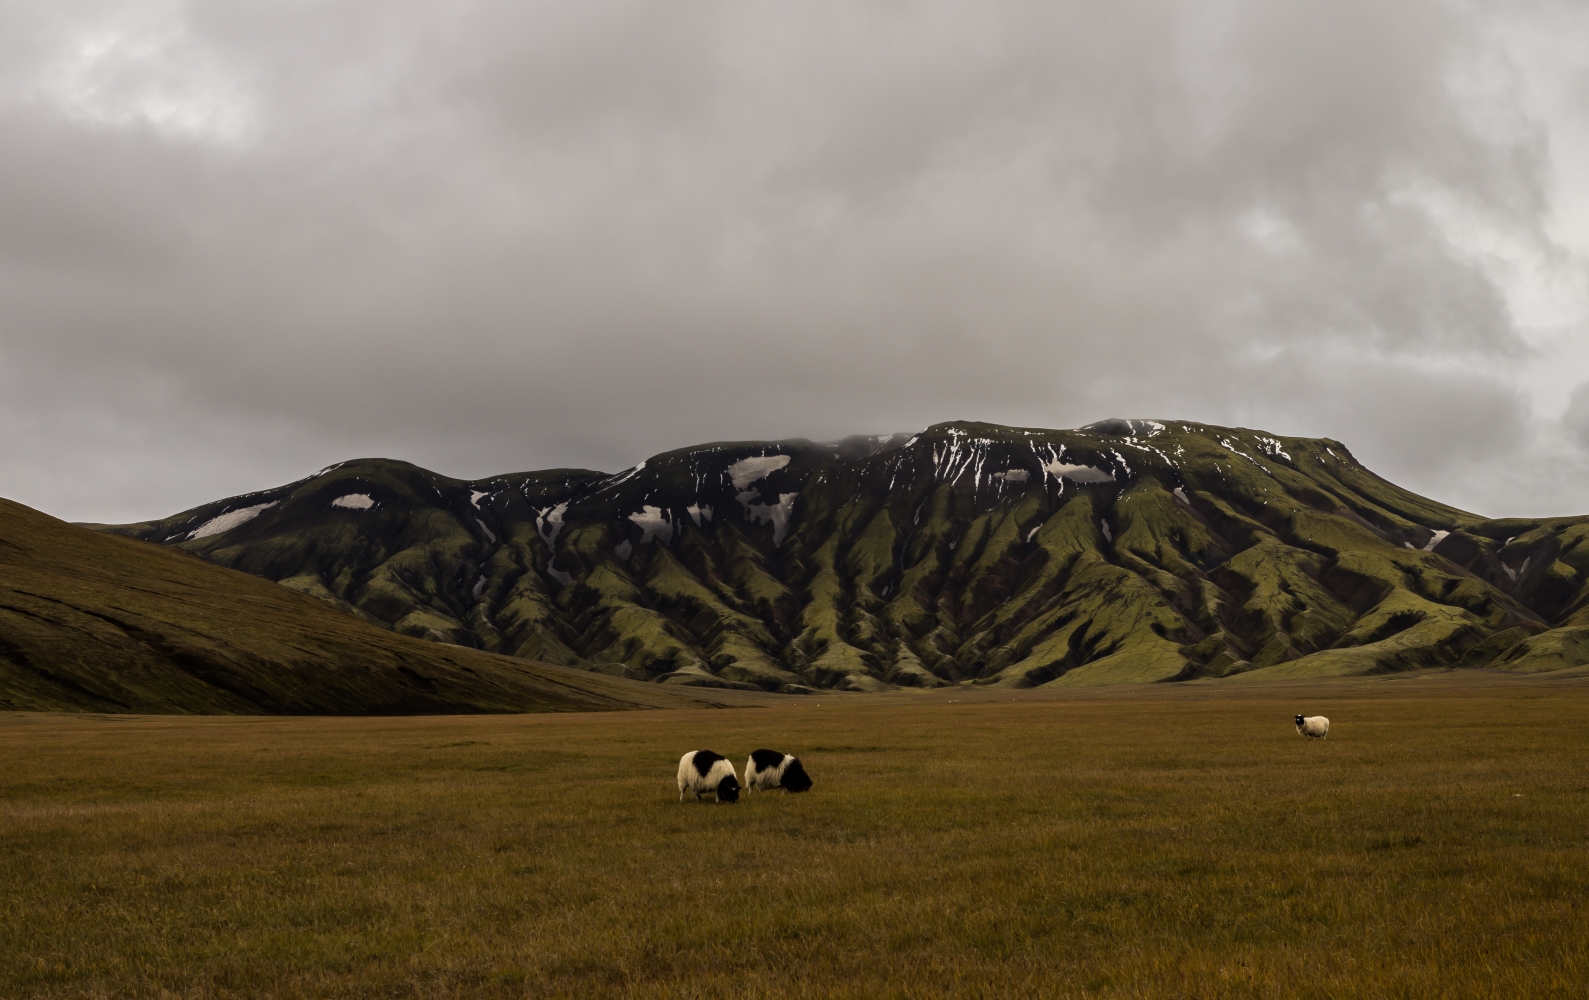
{"x":969,"y":552}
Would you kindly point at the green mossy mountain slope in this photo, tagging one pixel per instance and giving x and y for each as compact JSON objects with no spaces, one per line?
{"x":1126,"y":551}
{"x":90,"y":622}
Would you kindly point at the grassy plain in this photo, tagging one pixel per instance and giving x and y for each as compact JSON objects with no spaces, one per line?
{"x":1143,"y":842}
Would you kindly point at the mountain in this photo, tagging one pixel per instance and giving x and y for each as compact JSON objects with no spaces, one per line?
{"x":93,"y":622}
{"x":1123,"y":551}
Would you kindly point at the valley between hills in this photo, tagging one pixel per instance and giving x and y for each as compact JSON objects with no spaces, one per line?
{"x":1125,"y":551}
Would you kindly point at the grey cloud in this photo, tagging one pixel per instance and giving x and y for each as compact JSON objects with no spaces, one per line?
{"x":521,"y":235}
{"x":1576,"y":419}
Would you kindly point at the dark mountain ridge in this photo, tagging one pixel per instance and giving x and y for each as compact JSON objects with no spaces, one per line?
{"x":1132,"y":550}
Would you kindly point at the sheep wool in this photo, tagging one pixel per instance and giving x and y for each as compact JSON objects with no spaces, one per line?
{"x":1315,"y":727}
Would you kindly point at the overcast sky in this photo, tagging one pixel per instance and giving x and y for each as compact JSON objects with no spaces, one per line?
{"x":242,"y":240}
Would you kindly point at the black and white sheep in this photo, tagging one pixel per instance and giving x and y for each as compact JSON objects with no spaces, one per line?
{"x":1313,"y":726}
{"x":768,"y":769}
{"x":702,"y":771}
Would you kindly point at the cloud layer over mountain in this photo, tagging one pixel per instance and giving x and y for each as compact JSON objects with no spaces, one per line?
{"x":240,"y":241}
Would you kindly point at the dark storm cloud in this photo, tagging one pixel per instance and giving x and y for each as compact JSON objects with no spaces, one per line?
{"x":240,"y":241}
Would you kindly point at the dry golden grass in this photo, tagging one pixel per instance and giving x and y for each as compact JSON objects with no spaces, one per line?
{"x":1128,"y":843}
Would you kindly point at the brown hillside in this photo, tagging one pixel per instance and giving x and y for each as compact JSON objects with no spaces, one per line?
{"x":90,"y":621}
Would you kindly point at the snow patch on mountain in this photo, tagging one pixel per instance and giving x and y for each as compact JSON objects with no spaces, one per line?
{"x":229,"y":520}
{"x":354,"y":501}
{"x":1225,"y":443}
{"x":1435,"y":539}
{"x":1514,"y":573}
{"x":623,"y":550}
{"x":1272,"y":447}
{"x":474,"y":497}
{"x":747,"y":470}
{"x":776,"y":514}
{"x":956,"y":457}
{"x":489,"y":533}
{"x":654,"y":522}
{"x":621,"y":477}
{"x":1061,"y":470}
{"x":698,"y":513}
{"x":549,"y":522}
{"x":1078,"y":473}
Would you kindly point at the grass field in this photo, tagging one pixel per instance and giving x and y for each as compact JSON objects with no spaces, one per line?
{"x":1162,"y":841}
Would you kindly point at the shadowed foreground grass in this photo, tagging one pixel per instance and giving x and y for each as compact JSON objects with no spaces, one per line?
{"x":1144,"y":843}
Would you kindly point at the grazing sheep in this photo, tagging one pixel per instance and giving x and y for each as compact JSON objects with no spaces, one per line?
{"x":1313,"y":726}
{"x":702,"y":771}
{"x":768,"y":769}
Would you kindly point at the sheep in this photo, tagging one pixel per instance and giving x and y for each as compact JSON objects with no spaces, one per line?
{"x":702,"y":771}
{"x":1313,"y":726}
{"x":768,"y":769}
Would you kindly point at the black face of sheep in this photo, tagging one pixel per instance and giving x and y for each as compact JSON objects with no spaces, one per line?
{"x":795,"y":778}
{"x":1299,"y":720}
{"x":728,"y":789}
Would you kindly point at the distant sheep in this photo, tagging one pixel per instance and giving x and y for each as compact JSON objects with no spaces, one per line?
{"x":702,"y":771}
{"x":1313,"y":726}
{"x":769,"y":769}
